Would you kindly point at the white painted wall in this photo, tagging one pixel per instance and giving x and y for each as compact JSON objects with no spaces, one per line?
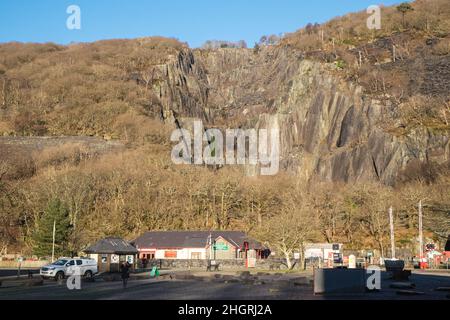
{"x":184,"y":253}
{"x":93,"y":256}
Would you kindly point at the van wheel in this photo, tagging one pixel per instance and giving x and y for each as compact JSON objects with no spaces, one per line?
{"x":59,"y":276}
{"x":88,"y":274}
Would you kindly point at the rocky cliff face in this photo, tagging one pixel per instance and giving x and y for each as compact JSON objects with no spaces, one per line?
{"x":329,"y":129}
{"x":180,"y":87}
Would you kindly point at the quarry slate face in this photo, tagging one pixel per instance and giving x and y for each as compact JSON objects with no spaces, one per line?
{"x":329,"y":129}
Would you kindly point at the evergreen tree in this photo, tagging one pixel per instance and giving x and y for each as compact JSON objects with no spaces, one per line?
{"x":56,"y":212}
{"x":404,"y":8}
{"x":256,"y":48}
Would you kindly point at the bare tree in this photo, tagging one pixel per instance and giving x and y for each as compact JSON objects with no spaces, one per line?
{"x":374,"y":214}
{"x":326,"y":204}
{"x":290,"y":229}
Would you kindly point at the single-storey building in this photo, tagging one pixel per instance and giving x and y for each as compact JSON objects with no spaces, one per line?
{"x":198,"y":245}
{"x":111,"y":252}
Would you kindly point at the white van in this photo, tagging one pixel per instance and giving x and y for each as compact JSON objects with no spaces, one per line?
{"x":64,"y":267}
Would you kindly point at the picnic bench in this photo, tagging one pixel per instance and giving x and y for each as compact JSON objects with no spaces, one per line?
{"x":212,"y":264}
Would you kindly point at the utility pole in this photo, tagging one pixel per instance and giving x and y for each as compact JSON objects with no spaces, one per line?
{"x":420,"y":232}
{"x":53,"y":246}
{"x":391,"y":223}
{"x":210,"y":246}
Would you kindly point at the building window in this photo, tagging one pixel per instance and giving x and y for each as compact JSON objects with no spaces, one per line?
{"x":148,"y":256}
{"x":196,"y":255}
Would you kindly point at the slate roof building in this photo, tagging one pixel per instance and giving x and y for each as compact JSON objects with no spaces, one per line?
{"x":197,"y":245}
{"x":111,"y":252}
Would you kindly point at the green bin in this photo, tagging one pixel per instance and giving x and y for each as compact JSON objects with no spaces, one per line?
{"x":154,"y":272}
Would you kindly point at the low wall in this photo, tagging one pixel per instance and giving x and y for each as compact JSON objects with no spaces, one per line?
{"x":25,"y":264}
{"x":265,"y":264}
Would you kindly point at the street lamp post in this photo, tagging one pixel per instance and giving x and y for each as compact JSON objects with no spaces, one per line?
{"x":210,"y":246}
{"x":391,"y":223}
{"x":53,"y":242}
{"x":420,"y":233}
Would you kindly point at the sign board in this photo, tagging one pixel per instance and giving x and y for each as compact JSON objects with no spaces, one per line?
{"x":20,"y":259}
{"x":251,"y":262}
{"x":114,"y":258}
{"x":337,"y":257}
{"x":220,"y":246}
{"x":170,"y":254}
{"x":352,"y":262}
{"x":313,"y":253}
{"x":130,"y":259}
{"x":330,"y":259}
{"x":296,"y":255}
{"x":327,"y":254}
{"x":345,"y":260}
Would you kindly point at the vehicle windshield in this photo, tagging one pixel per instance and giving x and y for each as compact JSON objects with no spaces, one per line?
{"x":60,"y":262}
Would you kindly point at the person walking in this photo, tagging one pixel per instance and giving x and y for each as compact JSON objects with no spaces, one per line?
{"x":125,"y":270}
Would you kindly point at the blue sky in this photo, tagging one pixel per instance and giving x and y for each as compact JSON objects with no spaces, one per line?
{"x":192,"y":21}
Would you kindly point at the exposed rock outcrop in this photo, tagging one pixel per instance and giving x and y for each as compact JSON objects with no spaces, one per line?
{"x":330,"y":130}
{"x":181,"y":87}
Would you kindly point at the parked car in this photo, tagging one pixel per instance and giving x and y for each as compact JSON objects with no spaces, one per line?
{"x":68,"y":266}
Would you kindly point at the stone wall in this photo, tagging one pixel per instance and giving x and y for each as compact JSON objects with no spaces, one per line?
{"x":24,"y":264}
{"x":231,"y":264}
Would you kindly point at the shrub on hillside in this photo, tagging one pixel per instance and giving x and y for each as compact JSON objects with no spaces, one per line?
{"x":442,"y":48}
